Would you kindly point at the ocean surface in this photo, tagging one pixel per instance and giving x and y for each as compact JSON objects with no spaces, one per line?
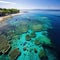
{"x":33,"y":35}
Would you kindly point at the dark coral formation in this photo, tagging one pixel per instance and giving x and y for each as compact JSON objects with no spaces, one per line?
{"x":37,"y":27}
{"x":42,"y":55}
{"x":33,"y":35}
{"x":35,"y":50}
{"x":37,"y":42}
{"x":4,"y":44}
{"x":25,"y":48}
{"x":43,"y":40}
{"x":28,"y":37}
{"x":21,"y":29}
{"x":14,"y":54}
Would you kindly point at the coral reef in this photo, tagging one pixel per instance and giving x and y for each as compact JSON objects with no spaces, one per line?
{"x":36,"y":27}
{"x":44,"y":40}
{"x":10,"y":34}
{"x":28,"y":37}
{"x":14,"y":54}
{"x":42,"y":55}
{"x":25,"y":48}
{"x":35,"y":50}
{"x":21,"y":29}
{"x":24,"y":29}
{"x":4,"y":44}
{"x":33,"y":35}
{"x":37,"y":42}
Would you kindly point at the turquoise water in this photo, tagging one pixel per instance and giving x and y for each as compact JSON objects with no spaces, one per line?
{"x":29,"y":33}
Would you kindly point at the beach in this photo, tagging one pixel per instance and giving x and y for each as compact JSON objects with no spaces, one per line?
{"x":3,"y":18}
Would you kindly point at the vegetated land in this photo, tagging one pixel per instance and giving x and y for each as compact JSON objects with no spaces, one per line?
{"x":5,"y":12}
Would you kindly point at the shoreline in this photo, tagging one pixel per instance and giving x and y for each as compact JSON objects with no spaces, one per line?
{"x":3,"y":18}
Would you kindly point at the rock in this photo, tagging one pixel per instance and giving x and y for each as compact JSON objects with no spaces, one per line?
{"x":28,"y":37}
{"x":33,"y":35}
{"x":14,"y":54}
{"x":4,"y":44}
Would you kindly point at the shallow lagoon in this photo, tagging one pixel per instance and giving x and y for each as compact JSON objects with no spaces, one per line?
{"x":29,"y":33}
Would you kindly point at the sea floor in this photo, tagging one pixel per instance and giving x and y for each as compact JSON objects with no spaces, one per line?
{"x":26,"y":38}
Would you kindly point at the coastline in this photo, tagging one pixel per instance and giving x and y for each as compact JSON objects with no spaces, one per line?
{"x":3,"y":18}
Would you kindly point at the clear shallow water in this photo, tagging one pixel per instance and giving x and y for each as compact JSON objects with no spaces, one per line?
{"x":36,"y":34}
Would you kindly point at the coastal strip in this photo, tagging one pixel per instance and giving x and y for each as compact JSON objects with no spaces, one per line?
{"x":3,"y":18}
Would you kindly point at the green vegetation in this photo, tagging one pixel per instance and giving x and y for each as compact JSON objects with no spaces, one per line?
{"x":4,"y":12}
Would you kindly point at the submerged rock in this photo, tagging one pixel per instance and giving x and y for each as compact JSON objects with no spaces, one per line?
{"x":14,"y":54}
{"x":28,"y":37}
{"x":4,"y":44}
